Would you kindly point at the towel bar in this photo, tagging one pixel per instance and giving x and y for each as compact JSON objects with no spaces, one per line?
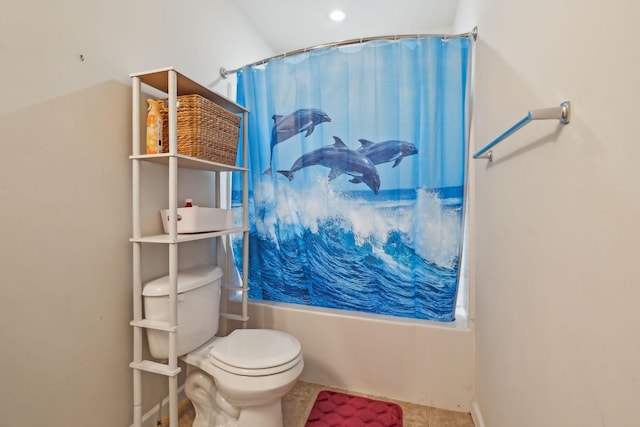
{"x":562,"y":113}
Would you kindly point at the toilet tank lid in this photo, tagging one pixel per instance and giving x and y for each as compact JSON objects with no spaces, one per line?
{"x":188,"y":279}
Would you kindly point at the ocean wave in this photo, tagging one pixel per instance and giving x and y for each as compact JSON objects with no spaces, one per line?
{"x":430,"y":224}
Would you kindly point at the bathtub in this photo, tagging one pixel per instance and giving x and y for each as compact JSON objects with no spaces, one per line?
{"x":418,"y":361}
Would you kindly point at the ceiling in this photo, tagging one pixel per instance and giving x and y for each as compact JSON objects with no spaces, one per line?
{"x":295,"y":24}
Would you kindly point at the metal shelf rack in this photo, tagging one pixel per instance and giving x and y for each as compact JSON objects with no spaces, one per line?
{"x":173,"y":84}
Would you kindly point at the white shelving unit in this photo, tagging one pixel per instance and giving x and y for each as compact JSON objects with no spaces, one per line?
{"x":174,"y":84}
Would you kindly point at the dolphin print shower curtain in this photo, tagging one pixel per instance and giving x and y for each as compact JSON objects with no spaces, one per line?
{"x":357,"y":165}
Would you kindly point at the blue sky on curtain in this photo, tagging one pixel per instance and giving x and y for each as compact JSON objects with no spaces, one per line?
{"x":357,"y":164}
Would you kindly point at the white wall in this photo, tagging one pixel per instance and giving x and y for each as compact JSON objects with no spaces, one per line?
{"x":65,"y":192}
{"x":556,"y":269}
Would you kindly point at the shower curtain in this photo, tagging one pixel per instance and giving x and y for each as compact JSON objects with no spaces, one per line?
{"x":357,"y":174}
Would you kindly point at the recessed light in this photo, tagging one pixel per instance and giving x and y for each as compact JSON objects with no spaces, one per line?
{"x":337,"y":15}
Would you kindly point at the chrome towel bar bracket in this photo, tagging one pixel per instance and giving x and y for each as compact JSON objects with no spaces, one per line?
{"x":562,"y":113}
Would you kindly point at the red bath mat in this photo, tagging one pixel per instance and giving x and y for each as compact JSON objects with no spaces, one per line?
{"x":333,"y":409}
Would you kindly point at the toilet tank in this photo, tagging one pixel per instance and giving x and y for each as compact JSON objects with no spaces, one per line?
{"x":198,"y":309}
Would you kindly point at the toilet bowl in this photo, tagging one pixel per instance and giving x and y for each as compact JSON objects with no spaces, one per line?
{"x":239,"y":380}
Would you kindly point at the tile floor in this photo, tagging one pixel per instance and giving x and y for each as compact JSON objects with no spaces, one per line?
{"x":297,"y":404}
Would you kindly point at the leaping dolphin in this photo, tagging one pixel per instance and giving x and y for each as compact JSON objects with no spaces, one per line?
{"x":302,"y":120}
{"x":340,"y":159}
{"x":387,"y":151}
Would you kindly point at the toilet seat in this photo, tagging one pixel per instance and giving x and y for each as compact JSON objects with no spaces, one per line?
{"x":255,"y":352}
{"x":255,"y":372}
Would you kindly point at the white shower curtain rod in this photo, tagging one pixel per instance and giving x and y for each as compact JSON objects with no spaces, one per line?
{"x":473,"y":33}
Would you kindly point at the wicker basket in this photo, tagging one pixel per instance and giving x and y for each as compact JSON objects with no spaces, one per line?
{"x":205,"y":130}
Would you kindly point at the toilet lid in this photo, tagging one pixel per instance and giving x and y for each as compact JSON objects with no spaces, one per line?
{"x":255,"y":348}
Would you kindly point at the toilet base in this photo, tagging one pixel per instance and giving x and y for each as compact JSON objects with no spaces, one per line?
{"x":269,"y":415}
{"x":213,"y":410}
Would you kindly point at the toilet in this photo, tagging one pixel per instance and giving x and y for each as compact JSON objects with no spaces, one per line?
{"x":233,"y":381}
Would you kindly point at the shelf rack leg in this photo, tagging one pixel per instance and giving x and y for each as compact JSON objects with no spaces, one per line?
{"x":245,"y":219}
{"x":173,"y":247}
{"x":137,"y":398}
{"x":137,"y":276}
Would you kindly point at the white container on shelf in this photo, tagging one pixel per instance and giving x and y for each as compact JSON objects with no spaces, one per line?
{"x":197,"y":219}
